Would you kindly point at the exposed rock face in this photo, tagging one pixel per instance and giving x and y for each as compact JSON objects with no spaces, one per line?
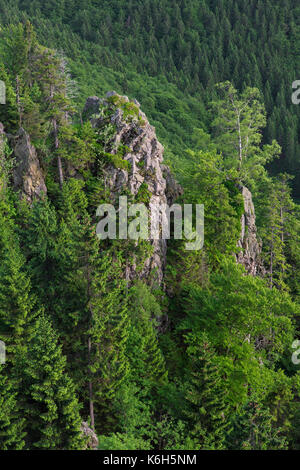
{"x":250,"y":254}
{"x":92,"y":439}
{"x":173,"y":189}
{"x":27,"y":173}
{"x":145,"y":156}
{"x":91,"y":106}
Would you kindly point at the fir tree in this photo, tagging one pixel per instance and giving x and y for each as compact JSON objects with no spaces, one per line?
{"x":53,"y":79}
{"x":207,"y":409}
{"x":17,"y":303}
{"x":107,"y":336}
{"x":254,"y":429}
{"x":279,"y":228}
{"x":48,"y":401}
{"x":11,"y":421}
{"x":238,"y":124}
{"x":143,"y":348}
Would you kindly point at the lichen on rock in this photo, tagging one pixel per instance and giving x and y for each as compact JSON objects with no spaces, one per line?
{"x":90,"y":436}
{"x":146,"y":172}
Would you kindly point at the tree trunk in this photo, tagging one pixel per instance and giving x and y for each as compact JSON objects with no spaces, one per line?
{"x":240,"y":143}
{"x":91,"y":395}
{"x":19,"y":105}
{"x":56,"y":143}
{"x":91,"y":398}
{"x":59,"y":163}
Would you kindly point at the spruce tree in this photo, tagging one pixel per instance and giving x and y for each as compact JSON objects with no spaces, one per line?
{"x":8,"y":113}
{"x":48,"y":400}
{"x":146,"y":359}
{"x":207,"y":402}
{"x":52,"y":76}
{"x":107,"y":336}
{"x":237,"y":130}
{"x":91,"y":312}
{"x":11,"y":421}
{"x":254,"y":429}
{"x":279,"y":228}
{"x":18,"y":307}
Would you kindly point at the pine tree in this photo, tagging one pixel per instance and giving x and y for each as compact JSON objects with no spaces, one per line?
{"x":206,"y":182}
{"x":51,"y":74}
{"x":8,"y":113}
{"x":107,"y":336}
{"x":279,"y":229}
{"x":254,"y":429}
{"x":207,"y":406}
{"x":238,"y":124}
{"x":94,"y":325}
{"x":48,"y":399}
{"x":146,"y":359}
{"x":40,"y":240}
{"x":20,"y":51}
{"x":11,"y":420}
{"x":17,"y":303}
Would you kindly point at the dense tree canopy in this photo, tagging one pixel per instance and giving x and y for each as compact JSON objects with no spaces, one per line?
{"x":204,"y":360}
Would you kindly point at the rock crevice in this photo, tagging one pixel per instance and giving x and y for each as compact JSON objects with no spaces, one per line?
{"x":146,"y":172}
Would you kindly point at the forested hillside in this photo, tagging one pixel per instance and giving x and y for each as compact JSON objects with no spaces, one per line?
{"x":169,"y":56}
{"x":134,"y":343}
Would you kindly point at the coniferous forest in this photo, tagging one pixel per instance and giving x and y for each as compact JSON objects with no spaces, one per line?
{"x":141,"y":344}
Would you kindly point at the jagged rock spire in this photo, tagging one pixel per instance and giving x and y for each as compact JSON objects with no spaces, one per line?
{"x":27,"y":173}
{"x":250,"y":247}
{"x":144,"y":154}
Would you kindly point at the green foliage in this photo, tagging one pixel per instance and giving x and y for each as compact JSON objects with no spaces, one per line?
{"x":130,"y":110}
{"x":143,"y":349}
{"x":237,"y":131}
{"x":278,"y":224}
{"x":107,"y":333}
{"x":48,"y":402}
{"x":203,"y":363}
{"x":207,"y":391}
{"x":117,"y":160}
{"x":120,"y":441}
{"x":205,"y":181}
{"x":170,"y":56}
{"x":238,"y":123}
{"x":143,"y":195}
{"x":253,"y":429}
{"x":11,"y":421}
{"x":8,"y":113}
{"x":17,"y":303}
{"x":248,"y":324}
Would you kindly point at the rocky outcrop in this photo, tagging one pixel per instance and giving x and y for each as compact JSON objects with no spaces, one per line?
{"x":173,"y":189}
{"x":250,"y":248}
{"x":90,"y":436}
{"x":144,"y":173}
{"x":91,"y":106}
{"x":27,"y":174}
